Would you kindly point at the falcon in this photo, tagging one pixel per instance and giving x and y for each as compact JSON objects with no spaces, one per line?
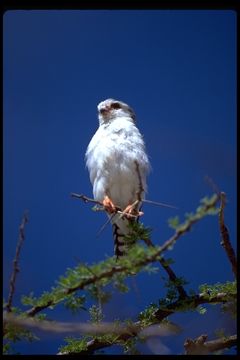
{"x":118,"y":166}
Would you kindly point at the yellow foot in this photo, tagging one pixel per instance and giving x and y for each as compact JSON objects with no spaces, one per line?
{"x":131,"y":210}
{"x":109,"y":205}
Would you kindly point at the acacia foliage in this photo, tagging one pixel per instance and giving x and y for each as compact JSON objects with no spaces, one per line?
{"x":86,"y":287}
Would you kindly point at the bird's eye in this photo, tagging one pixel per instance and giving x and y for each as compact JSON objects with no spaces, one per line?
{"x":115,"y":105}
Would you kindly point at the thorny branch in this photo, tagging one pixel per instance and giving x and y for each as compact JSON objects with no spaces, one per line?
{"x":120,"y":269}
{"x":87,"y":199}
{"x":21,"y":238}
{"x":67,"y":327}
{"x":225,"y":235}
{"x":124,"y":332}
{"x":169,"y":271}
{"x":200,"y":346}
{"x":167,"y":268}
{"x":160,"y":314}
{"x":223,"y":229}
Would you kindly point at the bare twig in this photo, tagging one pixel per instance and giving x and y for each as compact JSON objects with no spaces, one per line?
{"x":200,"y":346}
{"x":21,"y":238}
{"x":225,"y":236}
{"x":212,"y":184}
{"x":141,"y":188}
{"x":86,"y":199}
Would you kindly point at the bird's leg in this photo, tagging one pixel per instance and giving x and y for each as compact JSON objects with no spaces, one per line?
{"x":131,"y":209}
{"x":109,"y":205}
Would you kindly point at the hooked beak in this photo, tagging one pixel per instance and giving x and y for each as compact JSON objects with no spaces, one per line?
{"x":105,"y":110}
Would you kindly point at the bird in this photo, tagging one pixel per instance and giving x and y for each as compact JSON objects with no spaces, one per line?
{"x":118,"y":166}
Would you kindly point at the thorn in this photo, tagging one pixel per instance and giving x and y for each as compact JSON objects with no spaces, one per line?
{"x":160,"y":204}
{"x":104,"y":225}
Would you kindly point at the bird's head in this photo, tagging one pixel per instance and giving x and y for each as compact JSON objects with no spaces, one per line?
{"x":111,"y":109}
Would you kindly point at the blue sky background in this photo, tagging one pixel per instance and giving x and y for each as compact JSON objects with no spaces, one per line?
{"x":177,"y":70}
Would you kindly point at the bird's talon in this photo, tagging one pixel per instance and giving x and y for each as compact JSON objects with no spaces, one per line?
{"x":109,"y":205}
{"x":132,"y":211}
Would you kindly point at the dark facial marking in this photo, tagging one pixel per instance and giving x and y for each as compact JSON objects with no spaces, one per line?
{"x":115,"y":105}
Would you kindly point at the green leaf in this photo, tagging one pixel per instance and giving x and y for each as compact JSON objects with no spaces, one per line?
{"x":74,"y":345}
{"x":96,"y":314}
{"x":202,"y":310}
{"x":173,"y":222}
{"x":147,"y":317}
{"x":75,"y":303}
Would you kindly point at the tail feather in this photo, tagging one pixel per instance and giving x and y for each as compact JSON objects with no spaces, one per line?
{"x":120,"y":227}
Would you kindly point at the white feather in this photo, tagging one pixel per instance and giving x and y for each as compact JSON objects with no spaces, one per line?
{"x":111,"y":158}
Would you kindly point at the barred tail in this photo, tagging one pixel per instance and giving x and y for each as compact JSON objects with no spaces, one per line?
{"x":120,"y":230}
